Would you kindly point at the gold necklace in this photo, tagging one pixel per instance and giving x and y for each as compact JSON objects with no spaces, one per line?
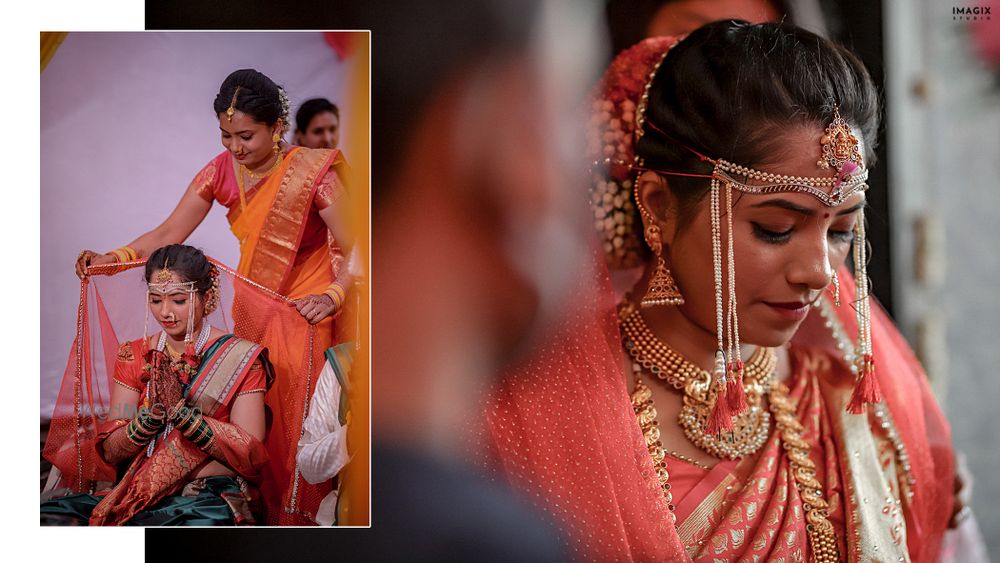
{"x":259,"y":175}
{"x":750,"y":428}
{"x":820,"y":530}
{"x":253,"y":175}
{"x":822,"y":536}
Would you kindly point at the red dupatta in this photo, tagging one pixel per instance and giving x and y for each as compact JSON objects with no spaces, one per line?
{"x":562,"y":430}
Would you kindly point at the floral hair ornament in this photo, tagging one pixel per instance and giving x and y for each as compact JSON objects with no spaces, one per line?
{"x":231,"y":110}
{"x":611,"y":136}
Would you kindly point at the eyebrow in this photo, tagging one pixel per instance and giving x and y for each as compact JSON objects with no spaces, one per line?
{"x":785,"y":204}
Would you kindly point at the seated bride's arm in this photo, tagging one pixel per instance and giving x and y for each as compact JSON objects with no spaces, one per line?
{"x":237,"y":444}
{"x":128,"y":429}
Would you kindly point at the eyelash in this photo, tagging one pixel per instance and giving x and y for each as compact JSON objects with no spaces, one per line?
{"x":227,"y":136}
{"x":773,"y":237}
{"x":158,"y":301}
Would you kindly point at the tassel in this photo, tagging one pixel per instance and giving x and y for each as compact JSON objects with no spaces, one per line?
{"x":867,"y":390}
{"x":721,"y":417}
{"x":735,"y":394}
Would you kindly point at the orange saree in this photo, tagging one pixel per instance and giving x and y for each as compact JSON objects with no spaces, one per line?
{"x":285,"y":247}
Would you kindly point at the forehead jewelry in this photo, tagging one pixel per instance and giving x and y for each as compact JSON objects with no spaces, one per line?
{"x":840,"y":150}
{"x":232,"y":105}
{"x":163,"y":284}
{"x":838,"y":144}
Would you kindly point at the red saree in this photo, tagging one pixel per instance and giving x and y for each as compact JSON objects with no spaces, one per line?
{"x":562,"y":430}
{"x":225,"y":373}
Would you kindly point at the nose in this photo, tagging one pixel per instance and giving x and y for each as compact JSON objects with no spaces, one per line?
{"x":328,"y":140}
{"x":810,"y":268}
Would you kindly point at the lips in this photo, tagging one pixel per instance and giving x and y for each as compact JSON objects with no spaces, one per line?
{"x":790,"y":310}
{"x":169,"y":324}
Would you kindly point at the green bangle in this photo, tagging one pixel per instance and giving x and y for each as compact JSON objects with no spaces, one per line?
{"x":205,"y":437}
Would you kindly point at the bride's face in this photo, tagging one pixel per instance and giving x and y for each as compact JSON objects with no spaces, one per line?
{"x":170,"y":309}
{"x":786,"y":246}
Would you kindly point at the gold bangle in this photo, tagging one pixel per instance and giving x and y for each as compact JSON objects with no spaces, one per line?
{"x":336,"y":293}
{"x":125,"y":254}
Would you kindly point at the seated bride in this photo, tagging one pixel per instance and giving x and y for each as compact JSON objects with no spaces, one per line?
{"x":183,"y":434}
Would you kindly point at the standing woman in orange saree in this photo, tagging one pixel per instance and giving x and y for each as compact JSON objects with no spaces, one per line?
{"x":283,"y":205}
{"x":745,"y":400}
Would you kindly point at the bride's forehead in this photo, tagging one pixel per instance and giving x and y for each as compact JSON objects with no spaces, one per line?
{"x":800,"y":200}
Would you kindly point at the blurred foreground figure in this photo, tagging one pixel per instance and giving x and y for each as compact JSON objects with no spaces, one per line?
{"x":476,"y":235}
{"x":477,"y":151}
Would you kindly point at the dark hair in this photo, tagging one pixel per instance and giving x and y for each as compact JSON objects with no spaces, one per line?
{"x":258,"y":96}
{"x":187,"y":261}
{"x":310,"y":109}
{"x":730,"y":88}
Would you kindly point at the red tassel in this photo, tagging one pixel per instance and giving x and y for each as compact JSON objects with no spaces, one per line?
{"x":721,"y":417}
{"x":867,"y":390}
{"x":735,"y":393}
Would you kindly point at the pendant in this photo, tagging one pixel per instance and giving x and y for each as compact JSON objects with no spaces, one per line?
{"x":750,"y":428}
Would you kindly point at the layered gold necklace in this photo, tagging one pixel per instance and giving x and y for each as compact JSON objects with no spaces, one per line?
{"x":750,"y":427}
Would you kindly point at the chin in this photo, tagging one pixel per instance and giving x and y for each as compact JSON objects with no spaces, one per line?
{"x":769,"y":336}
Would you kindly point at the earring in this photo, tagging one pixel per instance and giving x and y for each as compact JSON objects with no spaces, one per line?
{"x":276,"y":138}
{"x":662,"y":288}
{"x":836,"y":289}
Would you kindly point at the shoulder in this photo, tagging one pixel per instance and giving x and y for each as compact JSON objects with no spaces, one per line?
{"x":207,"y":178}
{"x":237,"y":343}
{"x":129,"y":351}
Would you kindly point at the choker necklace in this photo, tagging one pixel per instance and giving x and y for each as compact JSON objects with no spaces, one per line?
{"x":649,"y":353}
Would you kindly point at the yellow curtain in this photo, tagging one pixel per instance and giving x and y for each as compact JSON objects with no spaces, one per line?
{"x":50,"y":43}
{"x":354,"y":507}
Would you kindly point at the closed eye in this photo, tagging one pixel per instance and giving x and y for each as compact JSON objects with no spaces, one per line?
{"x":771,"y":236}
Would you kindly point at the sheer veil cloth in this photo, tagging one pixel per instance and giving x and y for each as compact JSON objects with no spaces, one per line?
{"x":561,"y":430}
{"x":112,"y":311}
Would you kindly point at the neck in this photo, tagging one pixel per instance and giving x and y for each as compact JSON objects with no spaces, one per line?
{"x":676,"y":326}
{"x":267,"y":163}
